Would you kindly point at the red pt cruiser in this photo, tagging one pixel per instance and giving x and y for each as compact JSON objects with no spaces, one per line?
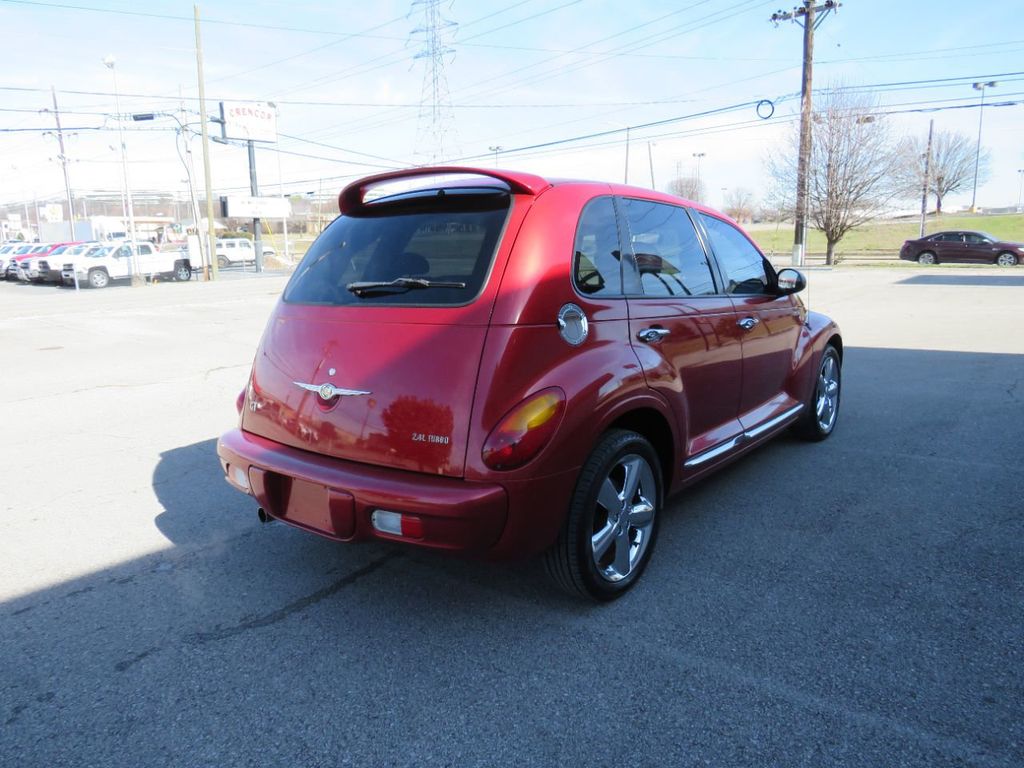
{"x":493,"y":363}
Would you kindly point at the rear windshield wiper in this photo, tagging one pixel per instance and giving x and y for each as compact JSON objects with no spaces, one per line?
{"x":400,"y":284}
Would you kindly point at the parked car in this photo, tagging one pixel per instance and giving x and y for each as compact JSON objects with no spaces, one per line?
{"x":99,"y":266}
{"x":238,"y":250}
{"x":28,"y":268}
{"x":14,"y":266}
{"x":502,"y":365}
{"x":962,"y":247}
{"x":50,"y":266}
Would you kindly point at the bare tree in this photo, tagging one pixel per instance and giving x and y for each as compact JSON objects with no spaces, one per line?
{"x":851,"y":178}
{"x":739,"y":203}
{"x":689,"y":187}
{"x":952,"y":166}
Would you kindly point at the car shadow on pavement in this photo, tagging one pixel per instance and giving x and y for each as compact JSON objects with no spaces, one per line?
{"x":987,"y":281}
{"x":199,"y":506}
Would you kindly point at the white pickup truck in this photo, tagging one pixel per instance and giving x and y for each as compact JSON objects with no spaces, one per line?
{"x":238,"y":250}
{"x":97,"y":267}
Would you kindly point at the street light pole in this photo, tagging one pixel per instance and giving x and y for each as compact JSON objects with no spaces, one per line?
{"x":496,"y":149}
{"x":1020,"y":187}
{"x":977,"y":153}
{"x":698,"y":155}
{"x":129,"y":210}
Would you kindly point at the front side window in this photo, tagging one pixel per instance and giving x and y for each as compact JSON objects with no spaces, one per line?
{"x":429,"y":248}
{"x":667,"y":252}
{"x":597,"y":261}
{"x":744,"y":268}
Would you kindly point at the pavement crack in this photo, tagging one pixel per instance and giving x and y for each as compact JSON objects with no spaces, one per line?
{"x":301,"y":604}
{"x":122,"y":665}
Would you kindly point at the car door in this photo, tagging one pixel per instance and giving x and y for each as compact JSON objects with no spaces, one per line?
{"x":978,"y":249}
{"x":682,"y":326}
{"x":770,"y":324}
{"x":145,"y":254}
{"x":121,"y":265}
{"x":954,"y":248}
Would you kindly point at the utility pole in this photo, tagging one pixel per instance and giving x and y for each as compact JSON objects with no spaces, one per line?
{"x":807,"y":17}
{"x":625,"y":179}
{"x":650,"y":162}
{"x":927,"y":171}
{"x":1020,"y":187}
{"x":211,"y":247}
{"x":255,"y":192}
{"x":64,"y":163}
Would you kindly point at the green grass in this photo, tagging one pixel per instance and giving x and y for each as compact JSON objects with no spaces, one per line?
{"x":888,"y":235}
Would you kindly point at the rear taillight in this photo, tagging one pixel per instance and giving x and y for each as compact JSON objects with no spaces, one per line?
{"x":240,"y":400}
{"x":397,"y":524}
{"x":524,"y":430}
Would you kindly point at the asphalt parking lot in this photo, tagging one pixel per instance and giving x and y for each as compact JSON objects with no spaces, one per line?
{"x":856,"y":603}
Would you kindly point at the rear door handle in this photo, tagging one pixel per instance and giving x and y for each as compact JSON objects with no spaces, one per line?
{"x":748,"y":323}
{"x":652,"y":335}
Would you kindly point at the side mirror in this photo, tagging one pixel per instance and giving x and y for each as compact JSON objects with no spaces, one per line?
{"x":790,"y":281}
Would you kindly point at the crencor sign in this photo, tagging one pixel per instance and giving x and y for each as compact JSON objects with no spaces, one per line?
{"x":242,"y":207}
{"x":248,"y":120}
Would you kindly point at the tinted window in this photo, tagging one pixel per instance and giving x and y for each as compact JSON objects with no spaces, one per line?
{"x":668,"y":253}
{"x":743,"y":267}
{"x":441,"y":236}
{"x":976,"y":239}
{"x":597,"y":265}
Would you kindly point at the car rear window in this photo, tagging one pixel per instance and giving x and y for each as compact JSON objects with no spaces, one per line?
{"x":435,"y":236}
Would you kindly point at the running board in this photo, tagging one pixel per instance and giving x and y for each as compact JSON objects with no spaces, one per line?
{"x":735,"y":442}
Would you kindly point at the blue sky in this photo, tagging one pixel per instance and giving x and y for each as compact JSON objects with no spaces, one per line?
{"x":519,"y":74}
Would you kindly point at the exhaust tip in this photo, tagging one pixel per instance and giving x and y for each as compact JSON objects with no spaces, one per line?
{"x":263,"y":515}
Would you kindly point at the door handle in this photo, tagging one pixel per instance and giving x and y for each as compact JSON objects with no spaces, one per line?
{"x":748,"y":323}
{"x":652,"y":335}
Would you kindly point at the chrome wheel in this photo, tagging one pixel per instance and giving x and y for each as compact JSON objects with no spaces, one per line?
{"x":98,"y":278}
{"x":183,"y":272}
{"x":927,"y":258}
{"x":1006,"y":260}
{"x":826,"y":399}
{"x":624,"y":518}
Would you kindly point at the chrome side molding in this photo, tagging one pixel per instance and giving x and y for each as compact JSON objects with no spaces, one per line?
{"x":735,"y":442}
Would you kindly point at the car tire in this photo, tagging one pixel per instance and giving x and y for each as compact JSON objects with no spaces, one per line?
{"x":927,"y":259}
{"x":821,"y":411}
{"x":600,"y":553}
{"x":222,"y":262}
{"x":182,"y":271}
{"x":1007,"y":259}
{"x":98,"y":278}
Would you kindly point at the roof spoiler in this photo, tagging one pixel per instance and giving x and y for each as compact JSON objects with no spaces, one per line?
{"x":352,"y":196}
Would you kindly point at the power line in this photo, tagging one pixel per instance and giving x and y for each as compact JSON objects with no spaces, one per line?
{"x":190,"y":20}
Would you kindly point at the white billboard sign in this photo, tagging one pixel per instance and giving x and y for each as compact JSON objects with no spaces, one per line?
{"x":239,"y":206}
{"x":14,"y":219}
{"x":249,"y":120}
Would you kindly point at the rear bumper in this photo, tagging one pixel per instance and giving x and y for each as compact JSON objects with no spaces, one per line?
{"x":335,"y":498}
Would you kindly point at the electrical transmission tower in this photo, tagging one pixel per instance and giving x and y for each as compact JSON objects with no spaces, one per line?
{"x":436,"y":117}
{"x":807,"y":16}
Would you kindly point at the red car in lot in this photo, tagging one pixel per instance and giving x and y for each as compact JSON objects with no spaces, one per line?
{"x":962,"y":247}
{"x":499,"y":364}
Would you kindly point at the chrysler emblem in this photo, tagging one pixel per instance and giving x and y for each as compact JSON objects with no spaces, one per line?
{"x":328,"y":391}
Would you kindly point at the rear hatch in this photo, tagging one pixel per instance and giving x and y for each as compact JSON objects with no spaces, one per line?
{"x":373,"y":351}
